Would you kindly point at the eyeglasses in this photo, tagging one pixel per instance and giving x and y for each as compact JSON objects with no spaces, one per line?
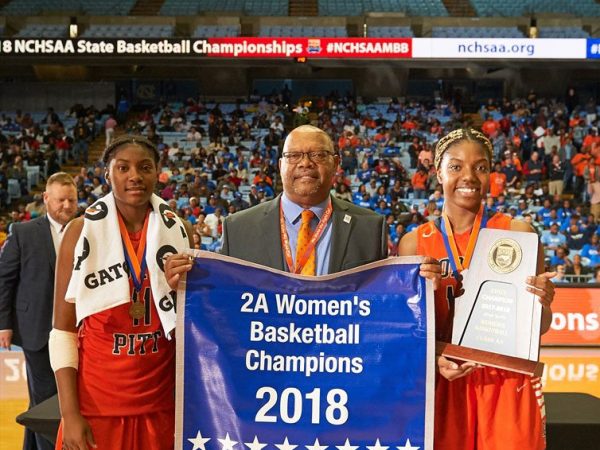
{"x":316,"y":157}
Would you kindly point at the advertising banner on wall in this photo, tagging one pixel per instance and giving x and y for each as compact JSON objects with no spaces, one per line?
{"x":307,"y":47}
{"x":575,"y":318}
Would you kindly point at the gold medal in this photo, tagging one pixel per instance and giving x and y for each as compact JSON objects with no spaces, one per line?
{"x":137,"y":310}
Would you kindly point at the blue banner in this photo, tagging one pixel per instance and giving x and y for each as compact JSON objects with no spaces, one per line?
{"x":273,"y":361}
{"x":593,"y":48}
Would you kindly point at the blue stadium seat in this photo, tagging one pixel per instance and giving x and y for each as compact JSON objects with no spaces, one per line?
{"x":430,"y":8}
{"x":91,"y":7}
{"x":43,"y":30}
{"x":156,"y":31}
{"x":491,"y":8}
{"x":562,"y":32}
{"x":216,"y":31}
{"x":389,"y":32}
{"x":476,"y":32}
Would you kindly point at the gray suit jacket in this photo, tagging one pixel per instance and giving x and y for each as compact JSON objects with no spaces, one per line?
{"x":254,"y":235}
{"x":27,"y":264}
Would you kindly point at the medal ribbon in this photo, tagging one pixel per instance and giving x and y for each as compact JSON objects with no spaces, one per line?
{"x":450,"y":242}
{"x":285,"y":240}
{"x":135,"y":260}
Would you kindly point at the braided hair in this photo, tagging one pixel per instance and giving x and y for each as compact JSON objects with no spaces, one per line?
{"x":129,"y":139}
{"x":461,"y":134}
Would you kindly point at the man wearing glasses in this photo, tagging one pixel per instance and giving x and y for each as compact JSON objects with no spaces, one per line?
{"x":305,"y":229}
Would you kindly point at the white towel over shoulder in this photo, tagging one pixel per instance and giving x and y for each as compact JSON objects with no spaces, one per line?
{"x":100,"y":280}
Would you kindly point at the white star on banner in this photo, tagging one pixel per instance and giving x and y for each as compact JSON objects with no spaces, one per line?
{"x":377,"y":446}
{"x":227,"y":443}
{"x":255,"y":444}
{"x":286,"y":445}
{"x":347,"y":446}
{"x":199,"y":441}
{"x":407,"y":446}
{"x":316,"y":446}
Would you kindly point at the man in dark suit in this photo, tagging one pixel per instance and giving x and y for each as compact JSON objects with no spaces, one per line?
{"x":351,"y":237}
{"x":27,"y":290}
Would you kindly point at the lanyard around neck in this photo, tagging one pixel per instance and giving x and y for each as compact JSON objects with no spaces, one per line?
{"x":450,"y":243}
{"x":135,"y":260}
{"x":285,"y":240}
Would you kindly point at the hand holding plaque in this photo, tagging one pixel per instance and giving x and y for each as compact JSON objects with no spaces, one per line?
{"x":496,"y":320}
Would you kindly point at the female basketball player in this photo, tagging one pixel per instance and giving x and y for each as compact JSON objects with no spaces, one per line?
{"x":113,"y":360}
{"x":476,"y":407}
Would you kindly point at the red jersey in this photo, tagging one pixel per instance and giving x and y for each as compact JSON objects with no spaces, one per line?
{"x":126,"y":366}
{"x":431,"y":243}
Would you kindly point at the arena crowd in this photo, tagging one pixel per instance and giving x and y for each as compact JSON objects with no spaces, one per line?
{"x":218,"y":159}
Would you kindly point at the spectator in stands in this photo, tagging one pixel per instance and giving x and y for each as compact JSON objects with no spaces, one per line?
{"x":397,"y":191}
{"x":530,"y":219}
{"x":490,"y":126}
{"x":591,"y":139}
{"x":37,"y":207}
{"x":97,"y":187}
{"x":561,"y":256}
{"x":510,"y":170}
{"x":556,"y":175}
{"x":425,"y":157}
{"x":343,"y":193}
{"x":238,"y":202}
{"x":122,"y":109}
{"x":254,"y":197}
{"x":580,"y":162}
{"x":262,"y":177}
{"x":3,"y":232}
{"x":497,"y":181}
{"x":550,"y":143}
{"x":591,"y":250}
{"x":277,"y":126}
{"x":553,"y":240}
{"x":109,"y":129}
{"x":577,"y":268}
{"x":215,"y":220}
{"x":596,"y":278}
{"x":175,"y":153}
{"x":419,"y":183}
{"x":19,"y":173}
{"x":593,"y":189}
{"x":533,"y":169}
{"x":201,"y":227}
{"x":168,"y":192}
{"x":413,"y":152}
{"x":566,"y":211}
{"x":51,"y":117}
{"x":576,"y":238}
{"x":81,"y":141}
{"x":544,"y":212}
{"x":561,"y":271}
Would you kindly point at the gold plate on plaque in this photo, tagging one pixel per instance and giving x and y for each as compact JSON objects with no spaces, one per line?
{"x":504,"y":256}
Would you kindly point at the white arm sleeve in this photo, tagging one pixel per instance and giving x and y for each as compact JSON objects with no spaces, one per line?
{"x":62,"y":346}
